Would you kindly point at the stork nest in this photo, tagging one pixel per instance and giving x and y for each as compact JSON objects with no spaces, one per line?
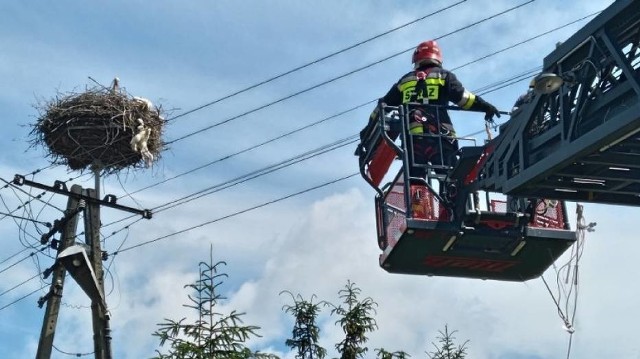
{"x":95,"y":129}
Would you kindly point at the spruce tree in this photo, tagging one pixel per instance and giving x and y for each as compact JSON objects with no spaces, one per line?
{"x":213,"y":335}
{"x":383,"y":354}
{"x":447,"y":348}
{"x":356,"y":321}
{"x":305,"y":334}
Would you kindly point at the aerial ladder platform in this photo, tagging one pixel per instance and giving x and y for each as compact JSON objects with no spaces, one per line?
{"x":575,"y":138}
{"x":578,"y":137}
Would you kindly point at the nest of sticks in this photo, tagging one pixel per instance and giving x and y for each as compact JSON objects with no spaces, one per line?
{"x":96,"y":129}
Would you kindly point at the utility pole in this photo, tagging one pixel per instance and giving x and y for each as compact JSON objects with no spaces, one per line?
{"x":100,"y":315}
{"x":88,"y":200}
{"x":54,"y":296}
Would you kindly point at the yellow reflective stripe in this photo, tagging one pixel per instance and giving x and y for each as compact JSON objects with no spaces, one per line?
{"x":407,"y":85}
{"x":467,"y":100}
{"x":374,"y":114}
{"x":429,"y":81}
{"x":416,"y":128}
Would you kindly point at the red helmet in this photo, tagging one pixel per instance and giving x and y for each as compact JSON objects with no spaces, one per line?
{"x":427,"y":52}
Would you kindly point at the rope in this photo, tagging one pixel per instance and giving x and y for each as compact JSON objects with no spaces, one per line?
{"x":567,"y":274}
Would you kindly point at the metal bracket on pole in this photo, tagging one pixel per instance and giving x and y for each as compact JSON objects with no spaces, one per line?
{"x":61,"y":188}
{"x":58,"y":224}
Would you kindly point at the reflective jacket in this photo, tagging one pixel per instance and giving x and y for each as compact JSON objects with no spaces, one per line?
{"x":433,"y":85}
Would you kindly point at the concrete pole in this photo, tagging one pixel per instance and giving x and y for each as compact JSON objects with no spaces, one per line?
{"x":68,"y":233}
{"x":101,"y":330}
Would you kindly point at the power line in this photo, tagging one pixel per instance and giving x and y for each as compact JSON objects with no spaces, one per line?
{"x":493,"y":85}
{"x":21,"y":298}
{"x":315,"y":61}
{"x":528,"y":73}
{"x":235,"y":213}
{"x":22,"y":260}
{"x":240,"y":212}
{"x":489,"y":88}
{"x":71,"y":354}
{"x":20,"y":284}
{"x":33,"y":197}
{"x":258,"y":173}
{"x":32,"y":173}
{"x":247,"y":149}
{"x":522,"y":75}
{"x":485,"y":90}
{"x":208,"y":222}
{"x":340,"y":77}
{"x":13,"y":255}
{"x":46,"y":224}
{"x":525,"y":41}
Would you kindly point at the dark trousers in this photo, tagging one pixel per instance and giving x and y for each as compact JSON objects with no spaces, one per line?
{"x":434,"y":151}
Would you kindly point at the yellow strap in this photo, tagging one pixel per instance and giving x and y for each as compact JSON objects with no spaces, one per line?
{"x":432,"y":81}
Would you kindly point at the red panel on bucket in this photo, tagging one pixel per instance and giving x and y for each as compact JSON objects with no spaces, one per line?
{"x":380,"y":163}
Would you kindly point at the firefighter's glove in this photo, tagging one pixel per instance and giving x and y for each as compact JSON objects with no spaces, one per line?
{"x":489,"y":112}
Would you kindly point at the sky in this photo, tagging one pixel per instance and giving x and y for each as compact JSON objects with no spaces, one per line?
{"x":182,"y":55}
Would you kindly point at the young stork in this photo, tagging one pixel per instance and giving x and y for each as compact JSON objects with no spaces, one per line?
{"x":139,"y":143}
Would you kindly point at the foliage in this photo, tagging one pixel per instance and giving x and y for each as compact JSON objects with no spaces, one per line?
{"x":305,"y":332}
{"x":447,"y":348}
{"x":383,"y":354}
{"x":355,"y":320}
{"x":213,"y":334}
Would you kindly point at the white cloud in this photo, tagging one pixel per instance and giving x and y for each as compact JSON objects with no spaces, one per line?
{"x":192,"y":53}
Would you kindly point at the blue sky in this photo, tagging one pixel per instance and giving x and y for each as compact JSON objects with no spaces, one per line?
{"x":186,"y":54}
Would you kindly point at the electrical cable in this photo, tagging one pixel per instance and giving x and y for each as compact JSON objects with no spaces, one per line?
{"x":258,"y":173}
{"x":264,"y":204}
{"x":32,"y":173}
{"x":268,"y":141}
{"x":517,"y":77}
{"x":21,"y":260}
{"x":34,"y":197}
{"x":21,"y":298}
{"x":520,"y":76}
{"x":525,"y":41}
{"x":113,"y":254}
{"x":349,"y":73}
{"x":247,"y":149}
{"x":13,"y":255}
{"x":295,"y":69}
{"x":46,"y":224}
{"x":513,"y":80}
{"x":71,"y":354}
{"x":570,"y":307}
{"x":20,"y":284}
{"x":513,"y":45}
{"x":234,"y":214}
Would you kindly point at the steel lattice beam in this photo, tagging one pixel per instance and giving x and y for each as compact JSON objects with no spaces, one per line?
{"x":581,"y":142}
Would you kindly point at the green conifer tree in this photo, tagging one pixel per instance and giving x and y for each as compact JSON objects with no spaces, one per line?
{"x":447,"y":348}
{"x":356,"y":321}
{"x":213,"y":335}
{"x":383,"y":354}
{"x":305,"y":334}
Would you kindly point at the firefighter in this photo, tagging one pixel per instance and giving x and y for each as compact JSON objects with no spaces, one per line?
{"x":429,"y":83}
{"x":525,"y":97}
